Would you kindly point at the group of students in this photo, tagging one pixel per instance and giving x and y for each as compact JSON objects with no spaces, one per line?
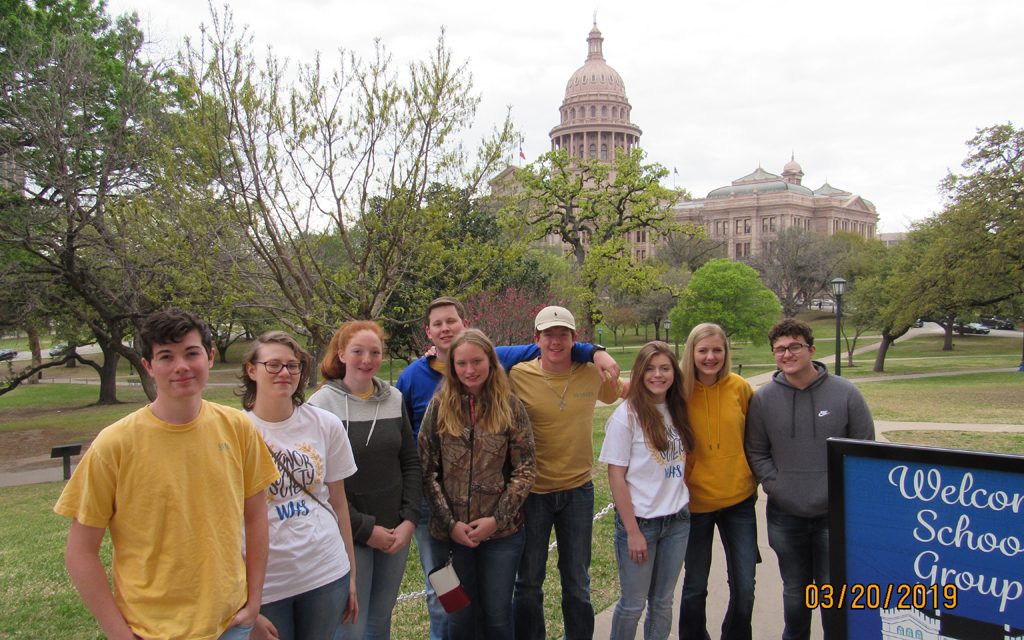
{"x":478,"y":451}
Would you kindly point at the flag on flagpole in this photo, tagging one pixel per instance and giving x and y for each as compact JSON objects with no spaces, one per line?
{"x":522,"y":156}
{"x":675,"y":171}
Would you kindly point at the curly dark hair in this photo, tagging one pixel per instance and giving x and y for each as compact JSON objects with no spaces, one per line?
{"x":792,"y":328}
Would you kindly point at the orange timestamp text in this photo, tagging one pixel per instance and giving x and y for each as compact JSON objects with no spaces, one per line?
{"x":881,"y":596}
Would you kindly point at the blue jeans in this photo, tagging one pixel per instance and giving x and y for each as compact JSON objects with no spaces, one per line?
{"x":487,"y":573}
{"x":653,"y":581}
{"x":433,"y":553}
{"x":378,"y":579}
{"x":571,"y":513}
{"x":737,"y":525}
{"x":313,"y":614}
{"x":240,"y":632}
{"x":801,"y":545}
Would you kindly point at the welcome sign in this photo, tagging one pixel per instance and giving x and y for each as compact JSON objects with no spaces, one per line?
{"x":925,"y":542}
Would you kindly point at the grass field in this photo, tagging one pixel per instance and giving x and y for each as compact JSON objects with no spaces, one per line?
{"x":987,"y":398}
{"x":967,"y":440}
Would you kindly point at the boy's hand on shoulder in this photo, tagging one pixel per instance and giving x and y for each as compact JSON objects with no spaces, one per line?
{"x":607,"y":365}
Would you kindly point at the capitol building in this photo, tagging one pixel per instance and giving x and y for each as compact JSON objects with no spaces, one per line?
{"x":746,"y":215}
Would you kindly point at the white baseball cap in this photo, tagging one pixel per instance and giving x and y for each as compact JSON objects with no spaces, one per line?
{"x":554,"y":317}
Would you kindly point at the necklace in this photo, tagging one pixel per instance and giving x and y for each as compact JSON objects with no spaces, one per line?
{"x":561,"y":396}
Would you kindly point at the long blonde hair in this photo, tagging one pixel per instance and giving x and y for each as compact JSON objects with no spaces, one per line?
{"x":644,"y":406}
{"x":494,"y":411}
{"x":700,"y":332}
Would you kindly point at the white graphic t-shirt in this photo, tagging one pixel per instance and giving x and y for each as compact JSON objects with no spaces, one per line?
{"x":306,"y":549}
{"x":654,"y":478}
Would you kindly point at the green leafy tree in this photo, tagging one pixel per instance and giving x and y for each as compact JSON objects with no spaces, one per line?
{"x":79,"y":111}
{"x":591,"y":207}
{"x":730,"y":294}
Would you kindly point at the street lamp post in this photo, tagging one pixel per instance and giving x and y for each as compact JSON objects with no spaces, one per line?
{"x":667,"y":324}
{"x":838,"y":286}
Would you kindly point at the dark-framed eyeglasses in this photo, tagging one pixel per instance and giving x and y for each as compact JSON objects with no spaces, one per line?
{"x":274,"y":367}
{"x":794,"y":348}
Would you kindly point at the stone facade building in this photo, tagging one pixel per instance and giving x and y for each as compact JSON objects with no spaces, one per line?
{"x":747,"y":215}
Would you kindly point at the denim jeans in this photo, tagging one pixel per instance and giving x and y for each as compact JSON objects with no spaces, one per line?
{"x":433,"y":553}
{"x":653,"y":581}
{"x":487,"y":573}
{"x":240,"y":632}
{"x":313,"y":614}
{"x":571,"y":513}
{"x":801,"y":545}
{"x":378,"y":579}
{"x":737,"y":525}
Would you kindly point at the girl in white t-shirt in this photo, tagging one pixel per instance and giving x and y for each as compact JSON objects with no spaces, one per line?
{"x":310,"y":585}
{"x":645,"y":445}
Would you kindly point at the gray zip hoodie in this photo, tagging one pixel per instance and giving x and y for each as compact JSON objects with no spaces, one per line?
{"x":786,"y":432}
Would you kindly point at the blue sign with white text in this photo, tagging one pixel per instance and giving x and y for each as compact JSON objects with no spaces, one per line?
{"x":924,"y":540}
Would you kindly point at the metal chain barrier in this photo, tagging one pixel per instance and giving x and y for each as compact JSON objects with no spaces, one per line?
{"x":416,"y":595}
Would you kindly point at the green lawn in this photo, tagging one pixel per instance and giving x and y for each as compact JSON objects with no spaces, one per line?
{"x":967,"y":440}
{"x":987,"y":398}
{"x":924,"y":354}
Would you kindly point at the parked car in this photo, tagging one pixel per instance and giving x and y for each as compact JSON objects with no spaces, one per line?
{"x":971,"y":327}
{"x":59,"y":350}
{"x":918,"y":323}
{"x":997,"y":322}
{"x":7,"y":354}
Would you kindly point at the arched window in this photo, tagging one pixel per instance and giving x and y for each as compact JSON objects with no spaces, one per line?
{"x":615,"y":112}
{"x":579,"y":151}
{"x":593,"y":111}
{"x":604,"y":152}
{"x":593,"y":150}
{"x":604,"y":111}
{"x":573,"y":113}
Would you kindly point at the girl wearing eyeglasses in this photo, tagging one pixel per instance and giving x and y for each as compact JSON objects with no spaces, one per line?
{"x":722,"y":487}
{"x":645,"y":446}
{"x":384,"y":495}
{"x":310,"y":580}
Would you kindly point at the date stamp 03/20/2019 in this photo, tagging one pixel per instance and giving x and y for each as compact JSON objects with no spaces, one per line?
{"x":881,"y":596}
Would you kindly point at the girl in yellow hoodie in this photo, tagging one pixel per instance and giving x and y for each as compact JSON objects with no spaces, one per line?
{"x":722,"y":487}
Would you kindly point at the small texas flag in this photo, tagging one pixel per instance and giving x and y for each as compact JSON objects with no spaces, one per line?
{"x":521,"y":154}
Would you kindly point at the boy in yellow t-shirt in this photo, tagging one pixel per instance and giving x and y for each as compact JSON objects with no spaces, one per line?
{"x":174,"y":482}
{"x":560,"y":396}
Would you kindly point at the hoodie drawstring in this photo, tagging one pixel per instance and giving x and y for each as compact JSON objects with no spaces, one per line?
{"x":373,"y":424}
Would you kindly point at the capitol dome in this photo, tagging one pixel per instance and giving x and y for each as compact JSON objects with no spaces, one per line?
{"x":595,"y":112}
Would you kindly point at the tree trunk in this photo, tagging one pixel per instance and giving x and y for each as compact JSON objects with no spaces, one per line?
{"x":947,"y":341}
{"x":108,"y":375}
{"x":883,"y":349}
{"x":37,"y":355}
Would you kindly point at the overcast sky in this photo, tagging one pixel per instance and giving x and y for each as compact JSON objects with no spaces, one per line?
{"x":875,"y":96}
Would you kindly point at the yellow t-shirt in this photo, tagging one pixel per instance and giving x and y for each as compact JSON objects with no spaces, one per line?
{"x":172,"y":497}
{"x":562,"y":431}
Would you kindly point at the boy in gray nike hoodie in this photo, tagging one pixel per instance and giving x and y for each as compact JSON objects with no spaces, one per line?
{"x":788,"y":421}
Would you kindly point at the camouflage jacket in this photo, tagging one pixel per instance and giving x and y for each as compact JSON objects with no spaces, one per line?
{"x":477,"y":474}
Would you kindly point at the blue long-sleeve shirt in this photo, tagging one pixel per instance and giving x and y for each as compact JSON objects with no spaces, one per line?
{"x":418,"y":381}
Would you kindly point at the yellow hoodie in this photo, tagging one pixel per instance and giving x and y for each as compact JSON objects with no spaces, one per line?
{"x":717,"y":473}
